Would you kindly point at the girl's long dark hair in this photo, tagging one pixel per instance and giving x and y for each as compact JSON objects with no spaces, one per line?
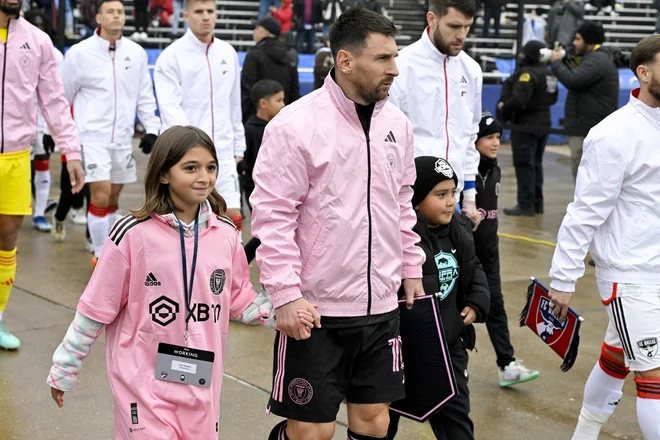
{"x":168,"y":150}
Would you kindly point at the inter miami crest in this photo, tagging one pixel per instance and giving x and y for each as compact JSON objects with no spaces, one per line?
{"x":548,"y":326}
{"x":217,"y":281}
{"x":300,"y":391}
{"x":648,"y":347}
{"x":447,"y":272}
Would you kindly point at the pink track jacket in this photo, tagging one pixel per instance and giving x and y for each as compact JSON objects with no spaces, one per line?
{"x":29,"y":65}
{"x":332,"y":207}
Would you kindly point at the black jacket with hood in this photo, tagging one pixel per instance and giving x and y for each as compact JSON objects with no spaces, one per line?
{"x":472,"y":285}
{"x":269,"y":59}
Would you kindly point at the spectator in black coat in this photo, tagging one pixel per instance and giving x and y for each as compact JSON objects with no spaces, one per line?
{"x":269,"y":59}
{"x":593,"y":86}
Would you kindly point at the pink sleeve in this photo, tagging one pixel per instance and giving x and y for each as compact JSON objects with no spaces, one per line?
{"x":242,"y":291}
{"x":413,"y":256}
{"x":107,"y":291}
{"x":54,"y":106}
{"x":281,"y":184}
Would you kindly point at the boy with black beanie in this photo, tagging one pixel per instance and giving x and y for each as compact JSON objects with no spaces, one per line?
{"x":453,"y":273}
{"x":511,"y":370}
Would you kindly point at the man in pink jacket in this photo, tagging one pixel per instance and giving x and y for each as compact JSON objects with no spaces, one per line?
{"x":332,"y":208}
{"x":27,"y":65}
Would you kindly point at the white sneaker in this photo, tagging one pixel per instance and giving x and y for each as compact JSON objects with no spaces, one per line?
{"x":144,"y":36}
{"x":589,"y":7}
{"x":607,"y":9}
{"x":515,"y":373}
{"x":135,"y":36}
{"x":78,"y":216}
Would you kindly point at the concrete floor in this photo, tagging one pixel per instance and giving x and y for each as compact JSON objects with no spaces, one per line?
{"x":51,"y":277}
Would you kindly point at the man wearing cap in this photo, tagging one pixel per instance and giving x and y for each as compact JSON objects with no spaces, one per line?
{"x":527,"y":96}
{"x":268,"y":59}
{"x":592,"y":83}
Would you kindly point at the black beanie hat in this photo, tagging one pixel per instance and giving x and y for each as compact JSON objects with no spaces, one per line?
{"x":271,"y":25}
{"x":488,"y":125}
{"x":430,"y":171}
{"x":532,"y":49}
{"x":591,"y":32}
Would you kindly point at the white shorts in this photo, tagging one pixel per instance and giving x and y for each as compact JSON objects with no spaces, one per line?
{"x":634,"y":326}
{"x":227,"y":186}
{"x":114,"y":164}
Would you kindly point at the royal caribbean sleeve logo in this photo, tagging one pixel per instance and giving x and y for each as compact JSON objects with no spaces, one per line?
{"x":548,"y":326}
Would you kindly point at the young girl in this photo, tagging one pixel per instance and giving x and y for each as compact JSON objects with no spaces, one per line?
{"x":169,"y":278}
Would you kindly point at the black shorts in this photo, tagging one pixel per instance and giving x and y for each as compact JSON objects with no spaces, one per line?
{"x":361,"y":364}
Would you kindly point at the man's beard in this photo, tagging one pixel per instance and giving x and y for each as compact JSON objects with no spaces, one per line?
{"x":10,"y":9}
{"x":442,"y":45}
{"x":654,"y":89}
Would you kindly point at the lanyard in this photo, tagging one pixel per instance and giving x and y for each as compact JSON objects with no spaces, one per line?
{"x":188,"y":288}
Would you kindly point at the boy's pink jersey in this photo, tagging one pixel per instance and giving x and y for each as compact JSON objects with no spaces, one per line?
{"x":137,"y":290}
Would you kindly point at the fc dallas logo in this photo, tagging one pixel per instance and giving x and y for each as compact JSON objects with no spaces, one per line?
{"x":548,"y":326}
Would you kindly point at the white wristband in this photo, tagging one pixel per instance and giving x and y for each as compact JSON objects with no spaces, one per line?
{"x":470,"y":195}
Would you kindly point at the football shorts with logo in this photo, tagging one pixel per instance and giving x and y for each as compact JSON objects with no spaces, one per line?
{"x":115,"y":163}
{"x":634,"y":327}
{"x":15,"y":183}
{"x":341,"y":360}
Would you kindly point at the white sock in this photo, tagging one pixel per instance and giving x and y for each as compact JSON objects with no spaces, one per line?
{"x":601,"y":396}
{"x":648,"y":411}
{"x":99,"y":228}
{"x":41,"y":192}
{"x":648,"y":406}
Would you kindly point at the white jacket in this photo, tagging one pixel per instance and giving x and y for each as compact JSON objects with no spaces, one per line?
{"x":42,"y":126}
{"x":107,"y":92}
{"x":615,"y":214}
{"x":200,"y":84}
{"x":441,"y":96}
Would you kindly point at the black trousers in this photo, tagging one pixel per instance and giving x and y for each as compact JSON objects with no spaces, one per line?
{"x":528,"y":149}
{"x":494,"y":12}
{"x":141,"y":15}
{"x":453,"y":421}
{"x":497,"y":321}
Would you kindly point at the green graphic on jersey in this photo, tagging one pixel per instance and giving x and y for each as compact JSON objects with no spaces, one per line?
{"x":447,"y":272}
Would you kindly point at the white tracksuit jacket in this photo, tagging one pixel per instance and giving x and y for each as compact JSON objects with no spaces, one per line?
{"x":615,"y":214}
{"x":107,"y":92}
{"x":199,"y":84}
{"x":441,"y":96}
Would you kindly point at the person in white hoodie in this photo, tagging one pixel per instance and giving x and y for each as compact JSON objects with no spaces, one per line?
{"x":439,"y":89}
{"x":615,"y":216}
{"x":198,"y":82}
{"x":106,"y":79}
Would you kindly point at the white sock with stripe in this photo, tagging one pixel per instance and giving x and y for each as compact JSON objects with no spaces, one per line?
{"x":98,"y":224}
